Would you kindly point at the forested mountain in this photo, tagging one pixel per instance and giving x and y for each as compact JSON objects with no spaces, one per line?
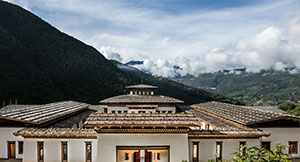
{"x":40,"y":64}
{"x":268,"y":87}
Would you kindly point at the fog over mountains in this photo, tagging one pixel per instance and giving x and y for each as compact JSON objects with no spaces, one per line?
{"x":273,"y":48}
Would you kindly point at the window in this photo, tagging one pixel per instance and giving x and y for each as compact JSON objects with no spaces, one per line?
{"x":242,"y":144}
{"x":113,"y":112}
{"x":64,"y":151}
{"x":169,"y":111}
{"x":125,"y":111}
{"x":126,"y":156}
{"x":40,"y":148}
{"x":293,"y":147}
{"x":266,"y":145}
{"x":163,"y":111}
{"x":88,"y":151}
{"x":207,"y":126}
{"x":195,"y":151}
{"x":11,"y":149}
{"x":119,"y":112}
{"x":21,"y":145}
{"x":219,"y":151}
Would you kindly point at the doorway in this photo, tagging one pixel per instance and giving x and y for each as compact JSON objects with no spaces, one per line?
{"x":143,"y":153}
{"x":11,"y":149}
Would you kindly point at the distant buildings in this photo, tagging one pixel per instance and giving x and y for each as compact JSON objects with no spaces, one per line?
{"x":140,"y":127}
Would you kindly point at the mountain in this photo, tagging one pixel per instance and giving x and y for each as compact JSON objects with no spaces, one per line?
{"x":268,"y":87}
{"x":171,"y":88}
{"x":40,"y":64}
{"x":131,"y":63}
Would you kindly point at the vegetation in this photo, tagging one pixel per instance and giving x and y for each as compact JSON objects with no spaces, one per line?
{"x":291,"y":107}
{"x":251,"y":154}
{"x":39,"y":64}
{"x":267,"y":87}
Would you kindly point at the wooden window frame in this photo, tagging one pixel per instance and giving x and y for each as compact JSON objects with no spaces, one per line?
{"x":20,"y":149}
{"x":221,"y":150}
{"x":40,"y":158}
{"x":269,"y":142}
{"x":296,"y":147}
{"x":8,"y":149}
{"x":86,"y":153}
{"x":197,"y":157}
{"x":62,"y":151}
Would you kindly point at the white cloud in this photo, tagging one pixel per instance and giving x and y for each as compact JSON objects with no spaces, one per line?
{"x":253,"y":36}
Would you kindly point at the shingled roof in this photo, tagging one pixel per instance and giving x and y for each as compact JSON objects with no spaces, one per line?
{"x":56,"y":133}
{"x":241,"y":114}
{"x":222,"y":127}
{"x":141,"y":119}
{"x":131,"y":98}
{"x":40,"y":114}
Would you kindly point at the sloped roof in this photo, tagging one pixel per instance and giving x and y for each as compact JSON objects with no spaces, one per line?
{"x":14,"y":107}
{"x":130,"y":98}
{"x":57,"y":133}
{"x":141,"y":119}
{"x":222,"y":127}
{"x":141,"y":86}
{"x":40,"y":114}
{"x":241,"y":114}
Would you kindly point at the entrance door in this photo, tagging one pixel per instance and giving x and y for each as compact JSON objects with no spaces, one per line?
{"x":11,"y":149}
{"x":148,"y":156}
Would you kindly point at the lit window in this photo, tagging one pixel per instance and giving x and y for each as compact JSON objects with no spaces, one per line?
{"x":40,"y":149}
{"x":88,"y":151}
{"x":195,"y":151}
{"x":219,"y":151}
{"x":293,"y":147}
{"x":21,"y":145}
{"x":64,"y":151}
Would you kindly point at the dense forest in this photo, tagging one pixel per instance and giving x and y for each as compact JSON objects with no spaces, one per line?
{"x":40,"y":64}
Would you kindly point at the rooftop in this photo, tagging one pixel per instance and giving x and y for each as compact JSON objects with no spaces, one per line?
{"x":141,"y":119}
{"x":132,"y":98}
{"x":241,"y":114}
{"x":57,"y":132}
{"x":40,"y":114}
{"x":141,"y":86}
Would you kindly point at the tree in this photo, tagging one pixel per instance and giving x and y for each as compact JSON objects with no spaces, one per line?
{"x":249,"y":154}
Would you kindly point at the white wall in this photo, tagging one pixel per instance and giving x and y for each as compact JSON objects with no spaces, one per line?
{"x":283,"y":135}
{"x":207,"y":147}
{"x":107,"y":144}
{"x":6,"y":134}
{"x":76,"y":149}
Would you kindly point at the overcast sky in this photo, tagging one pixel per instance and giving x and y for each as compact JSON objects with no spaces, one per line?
{"x":197,"y":35}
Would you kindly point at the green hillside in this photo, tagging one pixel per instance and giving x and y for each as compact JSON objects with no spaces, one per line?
{"x":265,"y":88}
{"x":40,"y":64}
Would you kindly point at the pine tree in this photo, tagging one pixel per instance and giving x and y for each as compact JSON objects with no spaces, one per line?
{"x":3,"y":103}
{"x":16,"y":102}
{"x":10,"y":102}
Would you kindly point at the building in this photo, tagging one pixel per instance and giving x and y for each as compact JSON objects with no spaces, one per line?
{"x":142,"y":132}
{"x":141,"y":100}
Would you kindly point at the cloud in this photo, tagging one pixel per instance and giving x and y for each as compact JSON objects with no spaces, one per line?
{"x":197,"y":38}
{"x":110,"y":53}
{"x":274,"y":47}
